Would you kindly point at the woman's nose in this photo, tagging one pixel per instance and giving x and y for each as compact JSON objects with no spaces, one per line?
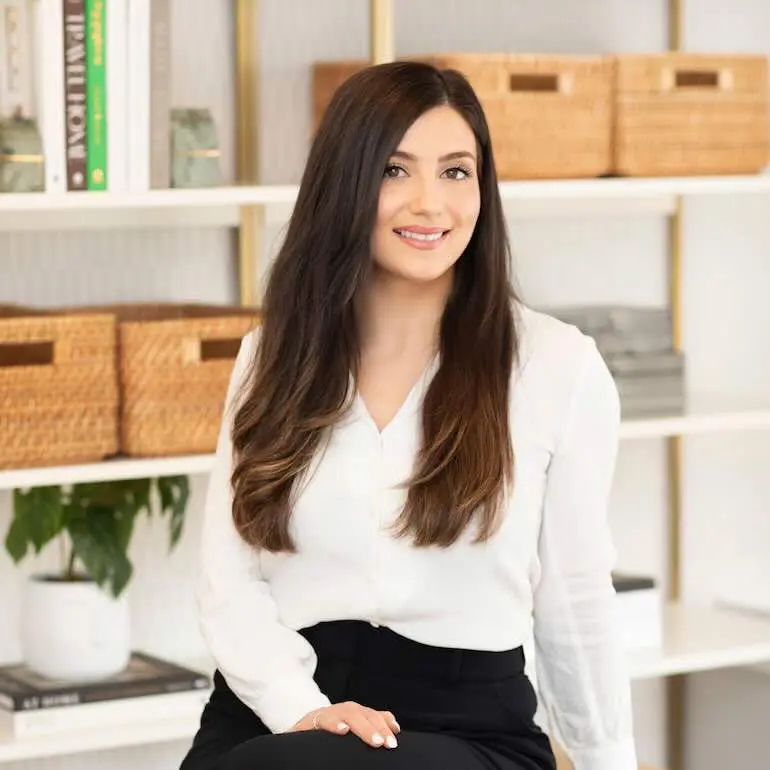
{"x":426,"y":198}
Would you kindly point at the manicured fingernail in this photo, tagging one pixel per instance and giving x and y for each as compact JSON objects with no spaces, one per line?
{"x":391,"y":743}
{"x":341,"y":727}
{"x":378,"y":739}
{"x":396,"y":725}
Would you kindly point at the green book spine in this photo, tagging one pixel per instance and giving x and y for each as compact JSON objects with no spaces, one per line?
{"x":96,"y":94}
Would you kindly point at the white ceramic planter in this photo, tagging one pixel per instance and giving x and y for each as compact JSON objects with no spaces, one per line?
{"x":73,"y":630}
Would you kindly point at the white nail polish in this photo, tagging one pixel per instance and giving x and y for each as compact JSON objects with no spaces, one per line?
{"x":377,"y":739}
{"x":391,"y":743}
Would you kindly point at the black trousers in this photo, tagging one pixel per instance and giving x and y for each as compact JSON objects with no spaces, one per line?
{"x":458,"y":710}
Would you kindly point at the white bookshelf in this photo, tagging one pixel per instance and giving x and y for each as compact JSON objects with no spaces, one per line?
{"x":109,"y":470}
{"x":164,"y":731}
{"x":709,"y":414}
{"x":705,"y":416}
{"x":702,"y":639}
{"x":629,"y":188}
{"x":220,"y":206}
{"x":694,"y":639}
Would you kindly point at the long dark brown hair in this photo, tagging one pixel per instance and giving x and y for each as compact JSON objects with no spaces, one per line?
{"x":300,"y":380}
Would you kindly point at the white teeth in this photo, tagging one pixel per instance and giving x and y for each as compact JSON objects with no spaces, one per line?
{"x":420,"y":236}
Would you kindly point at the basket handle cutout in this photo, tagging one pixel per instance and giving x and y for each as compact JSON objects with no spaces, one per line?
{"x":721,"y":79}
{"x":696,"y":79}
{"x":531,"y":82}
{"x":218,"y":350}
{"x":26,"y":354}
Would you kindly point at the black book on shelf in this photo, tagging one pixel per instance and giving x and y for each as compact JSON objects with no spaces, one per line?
{"x":24,"y":690}
{"x":624,"y":582}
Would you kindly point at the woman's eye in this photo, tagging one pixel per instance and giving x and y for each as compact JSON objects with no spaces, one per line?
{"x":458,"y":172}
{"x":392,"y":171}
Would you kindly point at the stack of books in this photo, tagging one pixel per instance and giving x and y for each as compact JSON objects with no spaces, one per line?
{"x":96,"y":78}
{"x":639,"y":608}
{"x":148,"y":690}
{"x":638,"y":346}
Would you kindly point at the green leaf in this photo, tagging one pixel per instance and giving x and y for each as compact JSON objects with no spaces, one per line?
{"x":174,"y":495}
{"x":99,"y":518}
{"x":130,"y":494}
{"x":16,"y":542}
{"x":38,"y":517}
{"x":96,"y":540}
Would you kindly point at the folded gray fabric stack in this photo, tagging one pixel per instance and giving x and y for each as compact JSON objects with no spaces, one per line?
{"x":638,"y":346}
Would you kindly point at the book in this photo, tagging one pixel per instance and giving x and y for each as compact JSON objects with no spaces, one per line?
{"x":96,"y":94}
{"x":75,"y":111}
{"x":24,"y":690}
{"x":624,"y":583}
{"x":96,"y":77}
{"x":100,"y":715}
{"x":48,"y":57}
{"x":149,"y":93}
{"x":117,"y":96}
{"x":638,"y":610}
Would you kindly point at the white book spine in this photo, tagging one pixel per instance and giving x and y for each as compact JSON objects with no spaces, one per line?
{"x":160,"y":94}
{"x":117,"y":95}
{"x":49,"y":70}
{"x":138,"y":103}
{"x":103,"y":715}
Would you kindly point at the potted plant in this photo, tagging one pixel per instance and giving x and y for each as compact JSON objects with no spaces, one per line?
{"x":75,"y":622}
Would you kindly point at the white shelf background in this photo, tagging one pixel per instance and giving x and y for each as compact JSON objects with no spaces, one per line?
{"x":220,"y":206}
{"x":706,"y":417}
{"x":694,"y":639}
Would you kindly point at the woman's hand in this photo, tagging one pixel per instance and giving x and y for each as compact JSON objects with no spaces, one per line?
{"x":377,"y":728}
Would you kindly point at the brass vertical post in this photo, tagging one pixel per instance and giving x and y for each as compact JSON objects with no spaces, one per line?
{"x":247,"y":144}
{"x":382,"y":31}
{"x":676,"y":685}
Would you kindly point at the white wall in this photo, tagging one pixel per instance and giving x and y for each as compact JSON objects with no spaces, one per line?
{"x":727,"y":316}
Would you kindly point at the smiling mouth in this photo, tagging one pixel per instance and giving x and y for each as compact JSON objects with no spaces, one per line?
{"x":421,"y":237}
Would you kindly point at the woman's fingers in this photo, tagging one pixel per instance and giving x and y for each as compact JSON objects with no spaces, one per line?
{"x":384,"y":726}
{"x":376,"y":728}
{"x":391,"y":720}
{"x":368,"y":725}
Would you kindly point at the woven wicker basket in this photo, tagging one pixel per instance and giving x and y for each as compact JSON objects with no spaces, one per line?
{"x":175,"y":364}
{"x":58,"y":387}
{"x":685,"y":114}
{"x":549,"y":116}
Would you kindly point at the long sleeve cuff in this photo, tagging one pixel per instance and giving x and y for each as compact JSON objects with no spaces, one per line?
{"x":619,"y":756}
{"x":283,"y":704}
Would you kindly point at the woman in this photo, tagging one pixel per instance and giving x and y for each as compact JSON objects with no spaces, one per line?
{"x":420,"y":467}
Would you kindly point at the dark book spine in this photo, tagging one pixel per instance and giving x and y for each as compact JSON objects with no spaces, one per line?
{"x":75,"y":104}
{"x":627,"y":583}
{"x":96,"y":692}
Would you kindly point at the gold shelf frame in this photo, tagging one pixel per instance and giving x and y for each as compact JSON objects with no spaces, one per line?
{"x":676,"y":686}
{"x":251,"y":228}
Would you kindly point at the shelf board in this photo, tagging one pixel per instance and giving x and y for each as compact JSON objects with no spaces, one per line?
{"x":703,"y":639}
{"x":697,"y":420}
{"x":90,"y":210}
{"x":101,"y":739}
{"x":636,"y":187}
{"x":203,"y":197}
{"x":220,"y":206}
{"x":702,"y":415}
{"x":109,"y":470}
{"x":694,"y":639}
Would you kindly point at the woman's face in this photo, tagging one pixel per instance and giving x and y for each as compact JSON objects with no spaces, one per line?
{"x":429,"y":200}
